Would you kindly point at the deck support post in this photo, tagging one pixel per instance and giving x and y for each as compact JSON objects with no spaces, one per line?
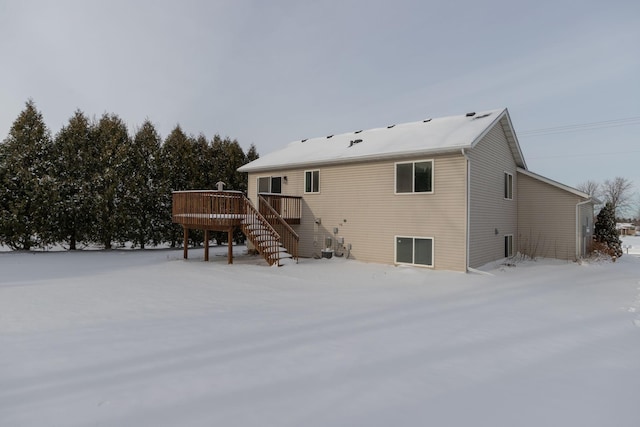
{"x":206,"y":245}
{"x":186,"y":243}
{"x":230,"y":245}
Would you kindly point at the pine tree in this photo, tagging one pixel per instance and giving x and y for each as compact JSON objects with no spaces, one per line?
{"x":112,"y":147}
{"x":26,"y":183}
{"x":74,"y":165}
{"x":202,"y":172}
{"x":176,"y":175}
{"x":228,"y":157}
{"x":252,"y":154}
{"x":143,"y":189}
{"x":605,"y":231}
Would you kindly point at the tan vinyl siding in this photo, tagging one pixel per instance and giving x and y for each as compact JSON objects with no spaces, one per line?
{"x":489,"y":211}
{"x":359,"y":200}
{"x":546,"y":219}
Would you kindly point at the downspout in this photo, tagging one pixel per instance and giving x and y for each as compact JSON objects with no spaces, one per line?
{"x":578,"y":231}
{"x":468,"y":190}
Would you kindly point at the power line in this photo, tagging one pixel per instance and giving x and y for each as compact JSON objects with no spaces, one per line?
{"x":572,"y":155}
{"x":629,"y":121}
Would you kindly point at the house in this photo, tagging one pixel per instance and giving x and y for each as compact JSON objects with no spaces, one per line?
{"x":626,"y":229}
{"x":450,"y":193}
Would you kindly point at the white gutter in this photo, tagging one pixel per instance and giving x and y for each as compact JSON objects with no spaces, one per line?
{"x":466,"y":263}
{"x":578,"y":231}
{"x":344,"y":160}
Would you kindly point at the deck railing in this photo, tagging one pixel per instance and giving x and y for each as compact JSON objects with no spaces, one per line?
{"x":288,"y":237}
{"x":289,"y":207}
{"x":206,"y":208}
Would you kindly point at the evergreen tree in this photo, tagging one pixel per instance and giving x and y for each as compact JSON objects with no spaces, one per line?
{"x":605,"y":230}
{"x":112,"y":145}
{"x":176,"y":172}
{"x":26,"y":183}
{"x":252,"y":154}
{"x":202,"y":175}
{"x":228,"y":157}
{"x":143,"y":189}
{"x":74,"y":165}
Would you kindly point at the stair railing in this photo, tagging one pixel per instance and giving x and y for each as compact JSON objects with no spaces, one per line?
{"x":289,"y":238}
{"x":271,"y":239}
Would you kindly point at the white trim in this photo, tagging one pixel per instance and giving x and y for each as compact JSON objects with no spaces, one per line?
{"x":504,"y":241}
{"x":305,"y":181}
{"x":433,"y":251}
{"x":508,"y":132}
{"x":361,"y":159}
{"x":468,"y":213}
{"x":270,"y":184}
{"x":504,"y":183}
{"x":413,"y":163}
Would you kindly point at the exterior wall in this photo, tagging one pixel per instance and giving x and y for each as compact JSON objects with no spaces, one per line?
{"x":585,"y":228}
{"x":547,"y":219}
{"x":489,"y":211}
{"x":359,"y":200}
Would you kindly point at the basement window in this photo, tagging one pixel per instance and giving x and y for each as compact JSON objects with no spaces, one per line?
{"x":414,"y":251}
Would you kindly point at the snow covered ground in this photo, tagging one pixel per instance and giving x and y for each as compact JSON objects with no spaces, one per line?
{"x":143,"y":338}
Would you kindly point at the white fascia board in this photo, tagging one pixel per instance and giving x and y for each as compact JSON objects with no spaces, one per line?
{"x":518,"y":151}
{"x":360,"y":159}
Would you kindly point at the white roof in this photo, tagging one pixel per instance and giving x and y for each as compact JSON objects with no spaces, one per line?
{"x":416,"y":138}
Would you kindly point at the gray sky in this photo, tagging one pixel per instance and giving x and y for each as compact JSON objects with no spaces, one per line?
{"x":270,"y":72}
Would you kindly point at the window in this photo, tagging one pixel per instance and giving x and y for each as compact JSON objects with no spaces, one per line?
{"x":508,"y":186}
{"x":508,"y":246}
{"x":414,"y":250}
{"x":312,"y":182}
{"x":414,"y":177}
{"x":270,"y":184}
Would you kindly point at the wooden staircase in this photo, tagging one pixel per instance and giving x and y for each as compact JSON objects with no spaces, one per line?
{"x":262,"y":231}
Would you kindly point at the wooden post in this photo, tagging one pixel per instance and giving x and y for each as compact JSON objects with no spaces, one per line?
{"x":186,"y":243}
{"x":206,"y":245}
{"x":230,"y":245}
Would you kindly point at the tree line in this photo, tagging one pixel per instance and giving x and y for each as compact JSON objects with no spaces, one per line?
{"x":617,"y":191}
{"x":95,"y":184}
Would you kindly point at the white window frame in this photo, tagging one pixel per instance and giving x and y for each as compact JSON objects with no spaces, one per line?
{"x":271,"y":177}
{"x":413,"y":182}
{"x":311,"y":172}
{"x":508,"y":186}
{"x":508,"y":253}
{"x":395,"y":251}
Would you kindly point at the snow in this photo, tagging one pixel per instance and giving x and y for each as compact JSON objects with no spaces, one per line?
{"x":133,"y":338}
{"x":422,"y":137}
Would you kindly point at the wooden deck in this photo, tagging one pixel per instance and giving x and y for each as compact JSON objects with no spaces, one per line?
{"x":227,"y":210}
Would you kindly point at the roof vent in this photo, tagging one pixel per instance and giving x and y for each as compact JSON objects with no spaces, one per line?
{"x":390,"y":126}
{"x":304,"y":140}
{"x":358,"y":131}
{"x":329,"y":136}
{"x":354,"y":142}
{"x":426,"y":121}
{"x":471,"y":114}
{"x":482,"y":116}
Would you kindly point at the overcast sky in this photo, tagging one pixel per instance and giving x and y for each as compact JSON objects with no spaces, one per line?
{"x":270,"y":72}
